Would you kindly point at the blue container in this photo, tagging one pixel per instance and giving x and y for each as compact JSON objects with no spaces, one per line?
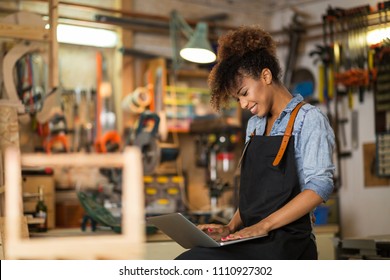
{"x":322,"y":214}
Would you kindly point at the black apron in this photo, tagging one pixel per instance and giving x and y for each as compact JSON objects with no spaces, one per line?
{"x":265,"y":188}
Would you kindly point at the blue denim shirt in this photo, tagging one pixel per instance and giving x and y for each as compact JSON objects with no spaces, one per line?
{"x":314,"y":144}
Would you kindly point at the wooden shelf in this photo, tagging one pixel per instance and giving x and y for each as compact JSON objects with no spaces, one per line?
{"x":328,"y":228}
{"x":187,"y":90}
{"x":196,"y":73}
{"x":33,"y":221}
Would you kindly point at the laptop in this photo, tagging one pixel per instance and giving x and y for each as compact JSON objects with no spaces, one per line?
{"x":186,"y":234}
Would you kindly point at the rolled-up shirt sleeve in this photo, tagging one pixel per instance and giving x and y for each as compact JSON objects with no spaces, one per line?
{"x":317,"y":146}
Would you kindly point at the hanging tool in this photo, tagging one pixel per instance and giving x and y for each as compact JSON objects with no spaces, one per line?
{"x":137,"y":101}
{"x":108,"y":143}
{"x":147,"y":139}
{"x":382,"y":89}
{"x":321,"y":83}
{"x":355,"y":129}
{"x":323,"y":54}
{"x":52,"y":144}
{"x":295,"y":31}
{"x":56,"y":141}
{"x":106,"y":133}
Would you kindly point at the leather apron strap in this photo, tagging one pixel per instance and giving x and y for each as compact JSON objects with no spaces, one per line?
{"x":287,"y":134}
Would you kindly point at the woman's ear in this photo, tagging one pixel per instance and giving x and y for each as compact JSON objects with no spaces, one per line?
{"x":266,"y":75}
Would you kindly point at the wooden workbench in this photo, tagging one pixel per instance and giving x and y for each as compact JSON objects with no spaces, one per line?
{"x":158,"y":245}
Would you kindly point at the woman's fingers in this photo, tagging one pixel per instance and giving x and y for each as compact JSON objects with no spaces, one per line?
{"x":209,"y":228}
{"x":233,"y":236}
{"x":244,"y":233}
{"x":215,"y":231}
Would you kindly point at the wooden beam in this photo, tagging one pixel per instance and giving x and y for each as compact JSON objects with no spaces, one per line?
{"x":128,"y":67}
{"x":9,"y":127}
{"x":25,"y":32}
{"x":53,"y":46}
{"x":9,"y":131}
{"x":124,"y":12}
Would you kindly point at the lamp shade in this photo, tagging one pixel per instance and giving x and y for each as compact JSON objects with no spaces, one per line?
{"x":198,"y":48}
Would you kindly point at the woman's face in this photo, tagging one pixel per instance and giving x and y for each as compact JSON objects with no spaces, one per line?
{"x":254,"y":95}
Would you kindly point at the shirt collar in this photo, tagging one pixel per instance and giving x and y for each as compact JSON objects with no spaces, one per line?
{"x":292,"y":104}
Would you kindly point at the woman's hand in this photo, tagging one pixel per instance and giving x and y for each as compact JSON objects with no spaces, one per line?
{"x":252,"y":231}
{"x":215,"y":231}
{"x":300,"y":205}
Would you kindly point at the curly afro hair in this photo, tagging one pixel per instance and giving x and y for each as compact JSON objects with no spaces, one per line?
{"x":245,"y":51}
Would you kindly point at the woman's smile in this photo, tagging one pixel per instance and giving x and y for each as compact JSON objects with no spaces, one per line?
{"x":253,"y":109}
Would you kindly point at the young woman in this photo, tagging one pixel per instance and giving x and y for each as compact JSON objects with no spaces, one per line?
{"x":283,"y":178}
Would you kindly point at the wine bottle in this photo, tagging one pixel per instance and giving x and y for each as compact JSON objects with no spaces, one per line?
{"x":41,"y":211}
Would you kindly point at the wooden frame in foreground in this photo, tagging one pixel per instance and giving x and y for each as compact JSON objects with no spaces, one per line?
{"x":127,"y":245}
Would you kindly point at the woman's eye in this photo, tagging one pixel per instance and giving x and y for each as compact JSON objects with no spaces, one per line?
{"x":241,"y":94}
